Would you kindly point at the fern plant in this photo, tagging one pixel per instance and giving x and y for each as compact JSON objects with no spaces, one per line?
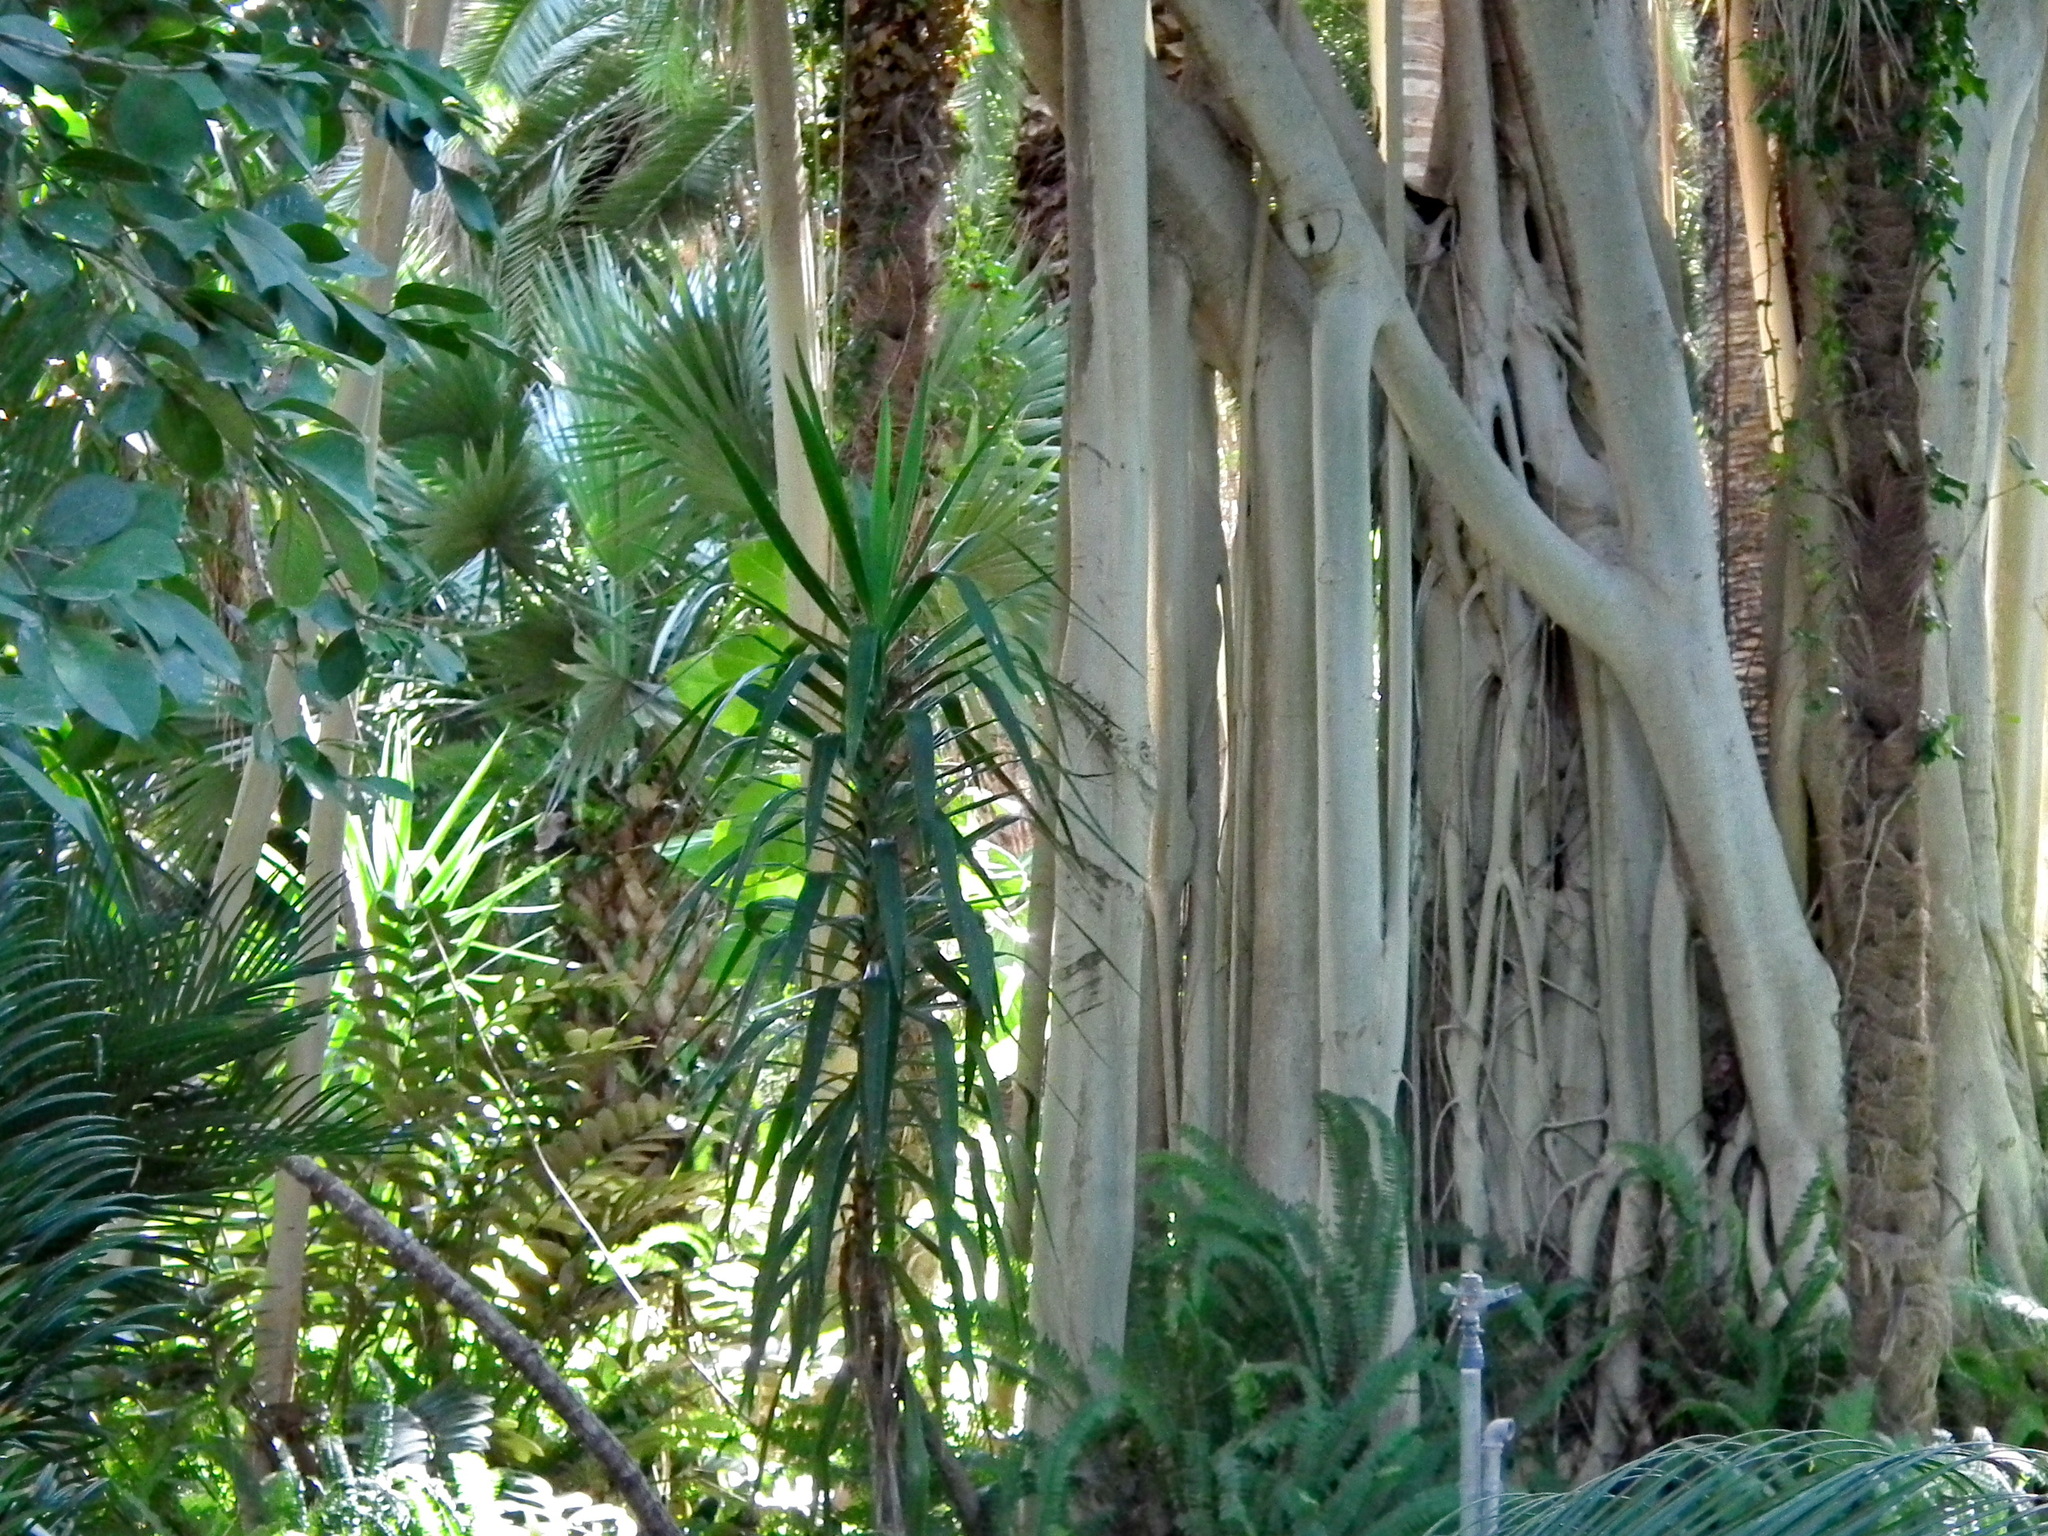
{"x":1734,"y":1351}
{"x":1257,"y":1396}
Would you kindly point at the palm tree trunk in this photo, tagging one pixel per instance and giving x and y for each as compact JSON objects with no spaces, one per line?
{"x":1875,"y":866}
{"x":897,"y":148}
{"x":1039,"y":167}
{"x":1736,"y":404}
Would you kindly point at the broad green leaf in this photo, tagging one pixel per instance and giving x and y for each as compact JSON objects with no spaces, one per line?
{"x":759,"y":572}
{"x":39,"y":53}
{"x":91,"y":164}
{"x":38,"y":263}
{"x":273,"y":258}
{"x":343,"y":665}
{"x":117,"y":686}
{"x":461,"y":300}
{"x":298,"y":563}
{"x":119,"y":566}
{"x":471,"y":206}
{"x":311,"y":765}
{"x":155,"y":120}
{"x":317,"y":243}
{"x":28,"y":703}
{"x":225,"y":410}
{"x":75,"y":219}
{"x":205,"y":93}
{"x":170,"y":619}
{"x":337,"y":462}
{"x":183,"y":431}
{"x":87,"y":511}
{"x":312,"y":410}
{"x":351,"y":550}
{"x":129,"y":408}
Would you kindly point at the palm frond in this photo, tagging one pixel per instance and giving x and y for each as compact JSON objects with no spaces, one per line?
{"x":1782,"y":1484}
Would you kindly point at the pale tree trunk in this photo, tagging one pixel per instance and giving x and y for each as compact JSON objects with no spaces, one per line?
{"x":383,"y":214}
{"x":1992,"y":1171}
{"x":1631,"y":570}
{"x":783,"y":231}
{"x":2019,"y":595}
{"x":1585,"y":808}
{"x":1658,"y":625}
{"x":1099,"y":964}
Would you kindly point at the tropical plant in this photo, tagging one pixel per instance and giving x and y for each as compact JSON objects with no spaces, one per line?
{"x":170,"y":279}
{"x":627,"y":123}
{"x":1257,"y":1395}
{"x":1735,"y":1351}
{"x":1776,"y":1484}
{"x":140,"y":1045}
{"x":890,"y":742}
{"x":419,"y":1470}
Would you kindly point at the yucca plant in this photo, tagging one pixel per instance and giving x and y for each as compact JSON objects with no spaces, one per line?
{"x":1257,"y":1395}
{"x":881,"y":745}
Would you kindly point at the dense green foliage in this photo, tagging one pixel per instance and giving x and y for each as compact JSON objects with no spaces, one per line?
{"x":682,"y":1001}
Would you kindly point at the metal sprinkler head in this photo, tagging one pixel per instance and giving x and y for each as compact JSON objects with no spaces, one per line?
{"x":1471,"y":1300}
{"x":1482,"y":1447}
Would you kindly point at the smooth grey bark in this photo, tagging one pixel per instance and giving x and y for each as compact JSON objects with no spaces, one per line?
{"x":1088,"y":1168}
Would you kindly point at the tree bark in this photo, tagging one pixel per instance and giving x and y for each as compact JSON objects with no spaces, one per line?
{"x":898,"y":142}
{"x":1088,"y":1171}
{"x":1877,"y":882}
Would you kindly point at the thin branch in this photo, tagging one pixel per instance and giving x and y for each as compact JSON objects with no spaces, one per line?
{"x":419,"y":1261}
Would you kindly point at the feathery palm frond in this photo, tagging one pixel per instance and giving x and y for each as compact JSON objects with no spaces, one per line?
{"x":67,"y":1213}
{"x":1782,"y":1484}
{"x":138,"y":1088}
{"x":628,"y":124}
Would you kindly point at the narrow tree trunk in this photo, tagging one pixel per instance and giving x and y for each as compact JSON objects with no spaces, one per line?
{"x":1878,"y":885}
{"x":783,"y":230}
{"x":383,"y":215}
{"x":1088,"y":1170}
{"x":1736,"y":403}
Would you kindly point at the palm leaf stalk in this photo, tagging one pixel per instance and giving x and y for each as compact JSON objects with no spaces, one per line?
{"x":869,"y":992}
